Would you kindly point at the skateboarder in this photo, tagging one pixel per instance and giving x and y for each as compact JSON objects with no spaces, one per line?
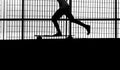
{"x":65,"y":10}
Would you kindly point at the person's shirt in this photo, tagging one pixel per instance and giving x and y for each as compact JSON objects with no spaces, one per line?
{"x":62,"y":3}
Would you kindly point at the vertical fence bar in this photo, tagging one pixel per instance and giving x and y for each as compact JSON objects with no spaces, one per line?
{"x":70,"y":25}
{"x":22,"y":19}
{"x":116,"y":31}
{"x":118,"y":19}
{"x":66,"y":25}
{"x":4,"y":21}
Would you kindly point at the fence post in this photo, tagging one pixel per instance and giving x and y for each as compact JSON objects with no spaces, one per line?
{"x":22,"y":19}
{"x":4,"y":18}
{"x":116,"y":27}
{"x":70,"y":25}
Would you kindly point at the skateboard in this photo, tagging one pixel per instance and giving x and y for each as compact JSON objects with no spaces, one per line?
{"x":39,"y":37}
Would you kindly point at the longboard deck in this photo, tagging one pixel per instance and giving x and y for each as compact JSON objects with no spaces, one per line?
{"x":50,"y":36}
{"x":39,"y":37}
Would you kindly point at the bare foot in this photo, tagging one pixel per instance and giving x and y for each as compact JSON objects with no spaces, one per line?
{"x":58,"y":34}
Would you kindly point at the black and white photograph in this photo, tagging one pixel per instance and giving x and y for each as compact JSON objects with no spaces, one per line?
{"x":59,"y":20}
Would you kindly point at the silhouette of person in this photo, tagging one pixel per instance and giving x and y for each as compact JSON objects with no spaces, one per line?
{"x":65,"y":10}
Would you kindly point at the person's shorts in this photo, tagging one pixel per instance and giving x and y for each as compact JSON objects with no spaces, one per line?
{"x":66,"y":10}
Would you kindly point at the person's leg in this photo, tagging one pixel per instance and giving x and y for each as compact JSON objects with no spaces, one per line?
{"x":55,"y":17}
{"x":70,"y":16}
{"x":87,"y":27}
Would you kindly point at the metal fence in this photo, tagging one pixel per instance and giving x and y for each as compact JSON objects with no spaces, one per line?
{"x":23,"y":19}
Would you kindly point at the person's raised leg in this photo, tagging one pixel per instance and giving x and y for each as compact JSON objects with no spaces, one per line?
{"x":70,"y":16}
{"x":87,"y":27}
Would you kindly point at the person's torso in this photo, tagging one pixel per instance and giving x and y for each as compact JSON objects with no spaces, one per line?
{"x":62,"y":3}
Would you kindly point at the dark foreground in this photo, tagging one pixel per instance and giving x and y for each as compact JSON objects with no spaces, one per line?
{"x":68,"y":43}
